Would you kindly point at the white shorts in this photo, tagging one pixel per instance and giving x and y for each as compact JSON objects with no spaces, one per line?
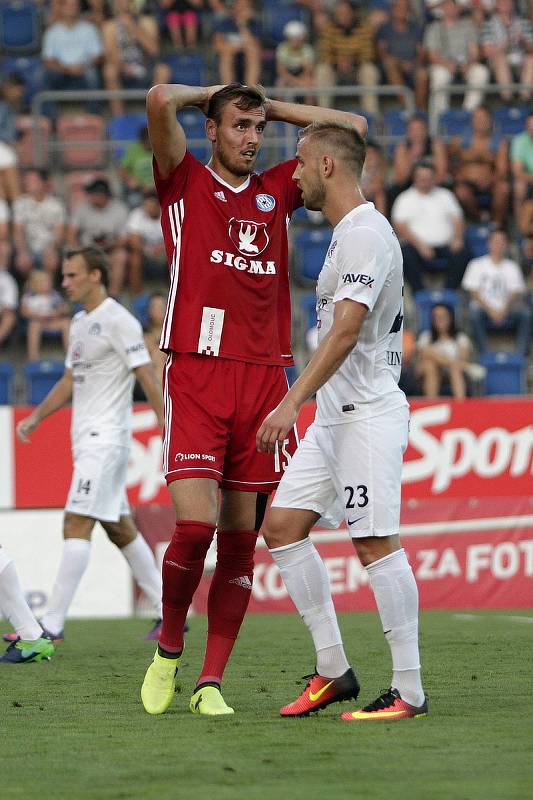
{"x":8,"y":156}
{"x":98,"y":487}
{"x":351,"y":471}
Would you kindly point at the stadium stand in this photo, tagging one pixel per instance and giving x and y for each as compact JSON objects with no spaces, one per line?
{"x":125,"y":128}
{"x":40,"y":377}
{"x":505,"y":373}
{"x":6,"y":381}
{"x":74,"y":130}
{"x":20,"y":27}
{"x":310,"y":248}
{"x":427,"y":298}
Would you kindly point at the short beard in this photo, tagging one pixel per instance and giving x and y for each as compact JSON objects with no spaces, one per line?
{"x":238,"y":171}
{"x":315,"y":196}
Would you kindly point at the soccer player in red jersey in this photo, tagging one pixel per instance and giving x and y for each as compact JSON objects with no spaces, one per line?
{"x":227,"y":335}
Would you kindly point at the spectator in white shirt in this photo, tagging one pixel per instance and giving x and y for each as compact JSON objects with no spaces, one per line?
{"x":38,"y":225}
{"x":145,"y":242}
{"x":45,"y":310}
{"x":9,"y":295}
{"x":496,"y":288}
{"x":429,"y":220}
{"x":5,"y":238}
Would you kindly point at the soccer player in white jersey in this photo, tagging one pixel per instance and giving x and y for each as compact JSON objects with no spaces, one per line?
{"x":349,"y":463}
{"x":30,"y":644}
{"x":106,"y":353}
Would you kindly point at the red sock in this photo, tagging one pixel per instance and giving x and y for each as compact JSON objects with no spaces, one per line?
{"x":183,"y":565}
{"x":229,"y":595}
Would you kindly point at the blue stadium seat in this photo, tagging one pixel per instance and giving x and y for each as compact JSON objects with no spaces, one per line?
{"x":454,"y":122}
{"x":505,"y":373}
{"x":6,"y":377}
{"x":139,"y":307}
{"x":276,"y":17}
{"x":187,"y":68}
{"x":125,"y":128}
{"x":20,"y":27}
{"x":395,"y":122}
{"x":477,"y":240}
{"x":427,"y":298}
{"x":510,"y":121}
{"x":310,"y":248}
{"x":30,"y":68}
{"x":193,"y":123}
{"x":291,"y":373}
{"x":308,"y":310}
{"x":40,"y":377}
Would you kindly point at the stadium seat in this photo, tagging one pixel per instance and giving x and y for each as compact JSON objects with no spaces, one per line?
{"x":454,"y":122}
{"x":193,"y":123}
{"x":427,"y":298}
{"x":477,"y":240}
{"x":6,"y":378}
{"x":286,"y":137}
{"x":510,"y":121}
{"x":291,"y":373}
{"x":139,"y":307}
{"x":40,"y":377}
{"x":505,"y":373}
{"x":310,"y":248}
{"x":276,"y":17}
{"x":125,"y":128}
{"x":76,"y":129}
{"x":308,"y":310}
{"x":20,"y":27}
{"x":189,"y":68}
{"x":30,"y":69}
{"x":25,"y":144}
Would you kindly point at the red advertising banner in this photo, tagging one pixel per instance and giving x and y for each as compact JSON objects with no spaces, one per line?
{"x":458,"y":450}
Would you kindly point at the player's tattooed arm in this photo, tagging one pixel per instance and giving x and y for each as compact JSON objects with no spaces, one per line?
{"x":303,"y":115}
{"x":348,"y":317}
{"x":58,"y":395}
{"x":166,"y":134}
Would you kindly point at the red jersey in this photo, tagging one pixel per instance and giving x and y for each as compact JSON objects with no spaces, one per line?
{"x":228,"y":255}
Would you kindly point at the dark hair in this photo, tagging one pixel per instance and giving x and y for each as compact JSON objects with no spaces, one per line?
{"x":498,"y":229}
{"x":94,"y":258}
{"x":40,"y":171}
{"x":452,"y":329}
{"x":344,"y":137}
{"x":248,"y":97}
{"x":424,"y":163}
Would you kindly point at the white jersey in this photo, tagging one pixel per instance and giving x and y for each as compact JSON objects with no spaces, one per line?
{"x":363,"y":263}
{"x":105,"y":345}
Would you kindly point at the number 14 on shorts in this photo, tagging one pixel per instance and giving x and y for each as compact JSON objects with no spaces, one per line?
{"x":83,"y":486}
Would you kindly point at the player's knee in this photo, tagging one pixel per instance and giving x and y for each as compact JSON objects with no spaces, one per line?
{"x":76,"y":526}
{"x":189,"y":544}
{"x":372,"y":548}
{"x":274,"y":535}
{"x":235,"y":549}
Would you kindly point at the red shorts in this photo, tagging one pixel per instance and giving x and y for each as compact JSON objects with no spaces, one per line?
{"x":213,"y":410}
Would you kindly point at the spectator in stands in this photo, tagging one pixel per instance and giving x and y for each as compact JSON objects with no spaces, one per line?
{"x":136,"y":168}
{"x":157,"y":306}
{"x":497,"y":289}
{"x":399,"y":46}
{"x":295,"y":57}
{"x":45,"y":311}
{"x":96,"y":11}
{"x":8,"y":285}
{"x":508,"y":45}
{"x":417,"y":145}
{"x":237,"y":42}
{"x":522,"y":164}
{"x":72,"y":51}
{"x":430,"y":223}
{"x":38,"y":225}
{"x":182,"y":21}
{"x":452,"y":45}
{"x":444,"y":356}
{"x":9,"y":174}
{"x":145,"y":242}
{"x":101,"y":221}
{"x":374,"y":175}
{"x":131,"y":46}
{"x":346,"y":53}
{"x":479,"y":161}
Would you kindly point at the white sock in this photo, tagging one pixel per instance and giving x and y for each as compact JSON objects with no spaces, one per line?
{"x":142,"y":564}
{"x":307,"y":582}
{"x":73,"y":564}
{"x":13,"y":603}
{"x":396,"y":593}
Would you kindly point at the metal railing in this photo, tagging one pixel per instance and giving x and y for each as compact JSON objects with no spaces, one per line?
{"x":139,"y":95}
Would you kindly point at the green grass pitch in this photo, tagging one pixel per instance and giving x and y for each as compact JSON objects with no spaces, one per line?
{"x":74,"y":727}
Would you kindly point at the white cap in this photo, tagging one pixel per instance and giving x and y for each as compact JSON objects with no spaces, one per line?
{"x":295,"y":30}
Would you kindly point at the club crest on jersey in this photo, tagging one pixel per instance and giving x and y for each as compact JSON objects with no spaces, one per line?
{"x":95,"y":329}
{"x":249,"y":237}
{"x":265,"y":202}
